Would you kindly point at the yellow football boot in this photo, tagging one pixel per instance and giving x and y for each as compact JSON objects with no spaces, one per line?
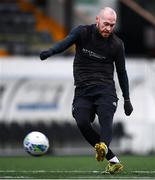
{"x":101,"y":150}
{"x":113,"y":168}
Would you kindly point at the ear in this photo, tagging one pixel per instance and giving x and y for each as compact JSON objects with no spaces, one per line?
{"x":97,"y":19}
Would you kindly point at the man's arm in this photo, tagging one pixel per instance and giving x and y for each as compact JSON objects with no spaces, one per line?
{"x":62,"y":45}
{"x":123,"y":79}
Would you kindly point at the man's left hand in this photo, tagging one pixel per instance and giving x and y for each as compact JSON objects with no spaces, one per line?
{"x":128,"y":107}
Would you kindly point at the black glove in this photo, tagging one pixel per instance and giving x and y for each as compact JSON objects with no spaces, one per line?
{"x":128,"y":107}
{"x":45,"y":54}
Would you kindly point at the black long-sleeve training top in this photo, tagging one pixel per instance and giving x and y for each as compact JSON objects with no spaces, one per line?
{"x":95,"y":58}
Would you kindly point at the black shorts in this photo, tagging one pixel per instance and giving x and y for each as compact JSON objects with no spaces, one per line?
{"x":92,"y":97}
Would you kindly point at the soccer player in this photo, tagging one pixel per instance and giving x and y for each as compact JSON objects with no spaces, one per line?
{"x":98,"y":51}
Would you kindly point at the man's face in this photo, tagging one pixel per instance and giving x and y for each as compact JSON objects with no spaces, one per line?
{"x":105,"y":24}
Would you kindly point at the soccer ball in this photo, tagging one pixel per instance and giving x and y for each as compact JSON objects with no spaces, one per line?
{"x":36,"y":143}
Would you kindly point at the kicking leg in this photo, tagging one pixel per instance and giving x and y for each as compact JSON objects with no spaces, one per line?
{"x":83,"y":117}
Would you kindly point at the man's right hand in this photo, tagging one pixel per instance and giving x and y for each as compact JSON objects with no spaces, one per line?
{"x":44,"y":55}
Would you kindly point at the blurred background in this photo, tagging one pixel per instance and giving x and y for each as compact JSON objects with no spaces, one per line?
{"x":37,"y":96}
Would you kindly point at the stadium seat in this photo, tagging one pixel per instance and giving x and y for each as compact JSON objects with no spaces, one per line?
{"x":18,"y":34}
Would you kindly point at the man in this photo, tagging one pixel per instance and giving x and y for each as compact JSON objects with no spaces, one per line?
{"x":98,"y":49}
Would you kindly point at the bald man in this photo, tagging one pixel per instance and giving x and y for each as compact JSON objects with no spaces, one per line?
{"x":98,"y":52}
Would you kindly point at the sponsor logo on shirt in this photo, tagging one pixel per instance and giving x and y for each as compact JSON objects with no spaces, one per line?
{"x":93,"y":54}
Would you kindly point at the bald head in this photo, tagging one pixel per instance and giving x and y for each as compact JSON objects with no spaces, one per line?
{"x":105,"y":21}
{"x":107,"y":11}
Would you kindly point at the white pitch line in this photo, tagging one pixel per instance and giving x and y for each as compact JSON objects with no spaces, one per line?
{"x":50,"y":171}
{"x":143,"y":171}
{"x":93,"y":176}
{"x":71,"y":171}
{"x":85,"y":177}
{"x":15,"y":177}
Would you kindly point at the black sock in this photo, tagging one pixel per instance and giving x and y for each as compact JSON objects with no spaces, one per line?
{"x":110,"y":154}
